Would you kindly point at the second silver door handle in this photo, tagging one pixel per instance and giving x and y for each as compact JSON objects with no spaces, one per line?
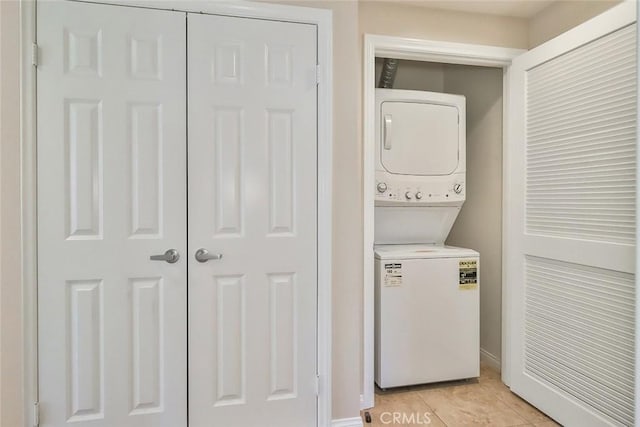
{"x":171,"y":256}
{"x":203,"y":255}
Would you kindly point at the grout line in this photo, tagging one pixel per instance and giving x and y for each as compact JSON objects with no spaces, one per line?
{"x":512,"y":407}
{"x":445,"y":424}
{"x":431,"y":410}
{"x":526,"y":421}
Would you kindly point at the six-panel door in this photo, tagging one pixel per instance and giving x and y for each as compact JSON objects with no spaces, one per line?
{"x":252,"y":198}
{"x":112,"y":192}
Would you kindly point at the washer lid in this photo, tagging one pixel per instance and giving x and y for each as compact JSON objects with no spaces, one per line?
{"x":422,"y":252}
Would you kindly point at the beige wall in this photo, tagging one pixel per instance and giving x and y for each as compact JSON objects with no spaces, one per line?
{"x":10,"y":289}
{"x":347,"y":209}
{"x":347,"y":206}
{"x":391,"y":19}
{"x":416,"y":75}
{"x":351,"y":20}
{"x":479,"y":225}
{"x":563,"y":15}
{"x":484,"y":119}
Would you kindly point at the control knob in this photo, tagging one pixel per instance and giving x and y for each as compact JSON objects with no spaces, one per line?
{"x":457,"y":188}
{"x":418,"y":195}
{"x":382,"y":187}
{"x":408,"y":195}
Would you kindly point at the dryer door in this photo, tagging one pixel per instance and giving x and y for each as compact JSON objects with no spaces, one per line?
{"x":419,"y":138}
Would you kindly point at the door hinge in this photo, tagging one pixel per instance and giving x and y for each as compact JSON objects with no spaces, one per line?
{"x":36,"y":414}
{"x":34,"y":54}
{"x":317,"y":74}
{"x":317,"y":385}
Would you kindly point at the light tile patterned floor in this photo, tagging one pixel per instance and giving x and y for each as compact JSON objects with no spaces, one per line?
{"x":485,"y":401}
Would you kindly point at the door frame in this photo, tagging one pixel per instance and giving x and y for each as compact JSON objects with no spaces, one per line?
{"x":432,"y":51}
{"x":323,"y":20}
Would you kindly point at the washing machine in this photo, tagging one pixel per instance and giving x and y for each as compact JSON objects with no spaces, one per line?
{"x":426,"y":314}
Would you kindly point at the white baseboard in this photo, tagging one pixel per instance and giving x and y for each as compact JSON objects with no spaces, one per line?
{"x":490,"y":359}
{"x":347,"y":422}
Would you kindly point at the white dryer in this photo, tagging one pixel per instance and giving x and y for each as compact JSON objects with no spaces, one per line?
{"x":426,"y":314}
{"x":420,"y":165}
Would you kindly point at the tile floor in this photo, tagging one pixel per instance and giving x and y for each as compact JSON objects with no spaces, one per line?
{"x":485,"y":401}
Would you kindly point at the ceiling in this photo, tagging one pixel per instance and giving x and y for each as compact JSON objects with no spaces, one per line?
{"x":515,"y":8}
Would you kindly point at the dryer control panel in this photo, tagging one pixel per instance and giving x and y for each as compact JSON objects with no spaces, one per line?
{"x":396,"y":191}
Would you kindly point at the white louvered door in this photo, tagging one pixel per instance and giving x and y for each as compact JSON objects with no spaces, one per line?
{"x":571,"y":232}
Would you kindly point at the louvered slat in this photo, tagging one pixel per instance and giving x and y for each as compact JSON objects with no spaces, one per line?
{"x":581,"y":142}
{"x":581,"y":184}
{"x":579,"y":333}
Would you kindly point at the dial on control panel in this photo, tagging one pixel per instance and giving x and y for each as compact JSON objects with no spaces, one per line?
{"x":382,"y":187}
{"x":457,"y":188}
{"x":408,"y":195}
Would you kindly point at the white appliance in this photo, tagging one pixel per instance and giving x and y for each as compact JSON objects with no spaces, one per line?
{"x":420,"y":163}
{"x":426,"y":314}
{"x":426,"y":302}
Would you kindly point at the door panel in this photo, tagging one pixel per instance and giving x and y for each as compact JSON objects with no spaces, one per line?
{"x":572,"y":237}
{"x":252,"y":198}
{"x":111,"y":192}
{"x":434,"y":125}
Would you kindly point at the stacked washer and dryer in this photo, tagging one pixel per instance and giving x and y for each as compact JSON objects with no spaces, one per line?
{"x":426,"y":293}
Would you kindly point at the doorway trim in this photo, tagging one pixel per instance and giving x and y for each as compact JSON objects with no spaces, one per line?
{"x":323,"y":20}
{"x":431,"y":51}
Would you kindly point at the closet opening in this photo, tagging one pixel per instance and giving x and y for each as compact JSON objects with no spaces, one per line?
{"x":479,"y":79}
{"x":478,"y":225}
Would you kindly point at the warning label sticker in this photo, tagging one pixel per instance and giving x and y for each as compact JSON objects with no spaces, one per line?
{"x":393,"y":274}
{"x":468,"y":275}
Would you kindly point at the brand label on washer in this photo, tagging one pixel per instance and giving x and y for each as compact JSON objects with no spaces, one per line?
{"x":393,"y":274}
{"x":468,"y":274}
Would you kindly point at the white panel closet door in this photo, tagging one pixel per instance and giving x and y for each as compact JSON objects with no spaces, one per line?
{"x":111,"y":192}
{"x":571,"y":236}
{"x":252,"y":198}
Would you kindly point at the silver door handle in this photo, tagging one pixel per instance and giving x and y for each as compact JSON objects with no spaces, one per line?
{"x":203,"y":255}
{"x":171,"y":256}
